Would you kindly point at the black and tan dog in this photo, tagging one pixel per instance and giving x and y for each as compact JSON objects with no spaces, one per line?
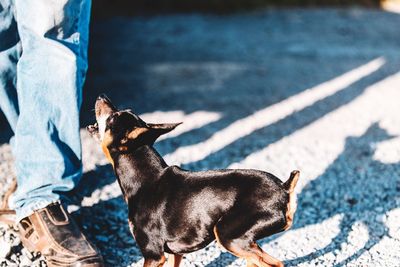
{"x":177,"y":211}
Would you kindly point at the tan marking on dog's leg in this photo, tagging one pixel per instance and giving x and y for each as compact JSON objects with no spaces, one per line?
{"x":154,"y":263}
{"x":250,"y":263}
{"x":265,"y":258}
{"x":174,"y":260}
{"x":259,"y":257}
{"x":253,"y":254}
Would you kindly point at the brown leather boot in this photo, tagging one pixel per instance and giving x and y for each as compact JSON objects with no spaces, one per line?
{"x":53,"y":233}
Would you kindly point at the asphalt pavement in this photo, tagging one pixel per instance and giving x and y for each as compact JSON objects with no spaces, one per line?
{"x":311,"y":89}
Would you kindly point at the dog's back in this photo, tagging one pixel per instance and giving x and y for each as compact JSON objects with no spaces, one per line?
{"x":190,"y":204}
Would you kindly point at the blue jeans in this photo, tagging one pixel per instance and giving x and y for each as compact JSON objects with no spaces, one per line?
{"x":43,"y":62}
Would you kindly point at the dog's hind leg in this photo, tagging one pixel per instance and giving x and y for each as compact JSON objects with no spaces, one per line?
{"x":149,"y":262}
{"x":250,"y":251}
{"x":238,"y":237}
{"x":253,"y":254}
{"x":174,"y":260}
{"x":261,"y":258}
{"x":250,"y":263}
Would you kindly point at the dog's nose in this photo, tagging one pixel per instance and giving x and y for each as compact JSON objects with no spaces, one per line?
{"x":101,"y":97}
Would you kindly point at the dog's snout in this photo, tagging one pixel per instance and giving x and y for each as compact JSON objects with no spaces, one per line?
{"x":103,"y":105}
{"x":102,"y":97}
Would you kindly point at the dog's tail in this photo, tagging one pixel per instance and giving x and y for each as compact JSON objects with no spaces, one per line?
{"x":290,"y":184}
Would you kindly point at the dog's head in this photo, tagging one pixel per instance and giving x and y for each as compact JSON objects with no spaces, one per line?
{"x":123,"y":130}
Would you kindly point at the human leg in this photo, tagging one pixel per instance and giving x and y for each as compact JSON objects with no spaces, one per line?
{"x":50,"y":72}
{"x":46,"y":147}
{"x":9,"y":55}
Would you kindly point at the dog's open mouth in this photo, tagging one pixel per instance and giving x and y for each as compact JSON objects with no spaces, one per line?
{"x":93,"y":129}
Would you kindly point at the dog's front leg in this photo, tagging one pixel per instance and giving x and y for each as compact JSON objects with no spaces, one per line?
{"x":154,"y":263}
{"x":174,"y":260}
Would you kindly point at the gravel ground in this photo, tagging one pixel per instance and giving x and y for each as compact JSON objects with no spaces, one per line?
{"x":277,"y":90}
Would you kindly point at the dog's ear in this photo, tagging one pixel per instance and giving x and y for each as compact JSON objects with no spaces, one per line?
{"x":151,"y":132}
{"x":163,"y":128}
{"x":136,"y":133}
